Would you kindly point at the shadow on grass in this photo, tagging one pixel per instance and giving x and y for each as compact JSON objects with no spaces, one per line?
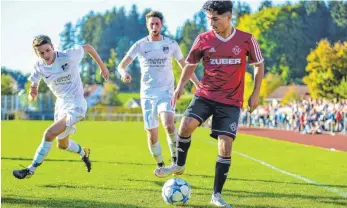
{"x":78,"y":161}
{"x":99,"y":188}
{"x":227,"y":193}
{"x":269,"y":181}
{"x":56,"y":202}
{"x":335,"y":202}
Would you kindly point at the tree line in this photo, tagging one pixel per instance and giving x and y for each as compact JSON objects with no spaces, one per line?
{"x":288,"y":35}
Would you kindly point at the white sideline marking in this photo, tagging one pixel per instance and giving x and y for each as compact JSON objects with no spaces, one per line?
{"x":334,"y":190}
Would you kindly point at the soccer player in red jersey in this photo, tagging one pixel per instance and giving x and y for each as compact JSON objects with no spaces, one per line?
{"x":224,"y":51}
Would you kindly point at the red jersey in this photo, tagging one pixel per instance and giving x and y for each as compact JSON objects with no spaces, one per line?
{"x":224,"y":63}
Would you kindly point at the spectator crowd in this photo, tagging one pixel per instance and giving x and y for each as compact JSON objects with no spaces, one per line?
{"x":306,"y":116}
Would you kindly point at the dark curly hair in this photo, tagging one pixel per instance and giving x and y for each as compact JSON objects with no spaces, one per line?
{"x":218,"y":6}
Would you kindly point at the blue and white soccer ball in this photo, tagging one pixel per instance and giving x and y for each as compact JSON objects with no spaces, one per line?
{"x":176,"y":191}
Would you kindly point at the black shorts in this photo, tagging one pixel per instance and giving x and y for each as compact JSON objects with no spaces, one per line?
{"x":225,"y":117}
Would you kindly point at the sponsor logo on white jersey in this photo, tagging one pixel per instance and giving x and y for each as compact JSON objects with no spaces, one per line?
{"x":229,"y":61}
{"x":63,"y":80}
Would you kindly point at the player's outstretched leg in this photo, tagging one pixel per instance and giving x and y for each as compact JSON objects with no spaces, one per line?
{"x":40,"y":155}
{"x":168,"y":121}
{"x":172,"y":142}
{"x":24,"y":173}
{"x":71,"y":146}
{"x":155,"y":150}
{"x":154,"y":146}
{"x":179,"y":167}
{"x":86,"y":160}
{"x":55,"y":129}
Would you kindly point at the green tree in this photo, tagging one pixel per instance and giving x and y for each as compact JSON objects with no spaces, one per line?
{"x":287,"y":33}
{"x":67,"y":37}
{"x":269,"y":84}
{"x":185,"y":37}
{"x":291,"y":95}
{"x":339,"y":12}
{"x":17,"y":75}
{"x":8,"y":85}
{"x":241,"y":8}
{"x":265,"y":4}
{"x":341,"y":89}
{"x":109,"y":95}
{"x":327,"y":68}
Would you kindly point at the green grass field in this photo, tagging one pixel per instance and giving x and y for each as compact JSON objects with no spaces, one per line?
{"x":122,"y":174}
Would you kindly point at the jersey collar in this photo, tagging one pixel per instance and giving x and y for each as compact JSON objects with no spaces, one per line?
{"x":228,"y":38}
{"x":150,"y":39}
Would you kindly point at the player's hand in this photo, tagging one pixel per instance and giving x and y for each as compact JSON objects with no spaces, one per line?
{"x":176,"y":96}
{"x":33,"y":91}
{"x":105,"y":73}
{"x":253,"y":102}
{"x":126,"y":77}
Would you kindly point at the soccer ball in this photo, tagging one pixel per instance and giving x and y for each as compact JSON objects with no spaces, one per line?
{"x":176,"y":191}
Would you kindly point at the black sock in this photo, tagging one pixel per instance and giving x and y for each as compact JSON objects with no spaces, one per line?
{"x":161,"y":164}
{"x":182,"y":150}
{"x":221,"y":174}
{"x":174,"y":159}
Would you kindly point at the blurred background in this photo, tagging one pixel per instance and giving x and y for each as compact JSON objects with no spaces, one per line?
{"x":304,"y":44}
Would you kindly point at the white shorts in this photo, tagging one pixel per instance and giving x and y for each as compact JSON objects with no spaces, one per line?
{"x":152,"y":107}
{"x":74,"y":109}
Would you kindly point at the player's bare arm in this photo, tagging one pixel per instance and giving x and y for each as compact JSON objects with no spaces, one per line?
{"x":194,"y":78}
{"x":187,"y":73}
{"x":34,"y":88}
{"x":92,"y":52}
{"x":258,"y":77}
{"x":125,"y":76}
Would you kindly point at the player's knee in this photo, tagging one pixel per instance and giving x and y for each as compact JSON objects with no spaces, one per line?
{"x":187,"y":127}
{"x":225,"y":145}
{"x":185,"y":131}
{"x":153,"y":137}
{"x":170,"y":128}
{"x":48,"y":135}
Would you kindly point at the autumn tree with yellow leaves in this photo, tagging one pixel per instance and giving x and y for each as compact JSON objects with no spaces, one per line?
{"x":327,"y":70}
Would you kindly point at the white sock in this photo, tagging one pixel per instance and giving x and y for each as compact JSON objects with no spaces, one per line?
{"x":40,"y":155}
{"x":74,"y":147}
{"x":155,"y":150}
{"x":172,"y":141}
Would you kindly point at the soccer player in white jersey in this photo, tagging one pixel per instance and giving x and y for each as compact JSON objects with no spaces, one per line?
{"x":59,"y":70}
{"x":155,"y":54}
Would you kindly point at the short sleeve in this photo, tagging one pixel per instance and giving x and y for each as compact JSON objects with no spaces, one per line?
{"x":177,"y":52}
{"x":254,"y":54}
{"x":134,"y":50}
{"x":76,"y":53}
{"x":195,"y":53}
{"x":35,"y":75}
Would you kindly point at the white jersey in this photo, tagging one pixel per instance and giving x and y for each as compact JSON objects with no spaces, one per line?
{"x":62,"y":77}
{"x":155,"y":58}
